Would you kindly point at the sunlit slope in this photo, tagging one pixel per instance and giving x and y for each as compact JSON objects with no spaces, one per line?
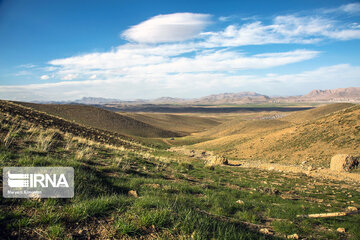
{"x":102,"y":119}
{"x":316,"y":113}
{"x":183,"y":124}
{"x":293,"y":142}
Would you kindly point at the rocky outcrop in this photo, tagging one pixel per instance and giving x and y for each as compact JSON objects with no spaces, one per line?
{"x":343,"y":162}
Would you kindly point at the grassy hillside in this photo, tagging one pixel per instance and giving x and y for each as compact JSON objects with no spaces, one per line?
{"x":134,"y":192}
{"x":102,"y":119}
{"x":313,"y":135}
{"x":184,"y":124}
{"x":316,"y":113}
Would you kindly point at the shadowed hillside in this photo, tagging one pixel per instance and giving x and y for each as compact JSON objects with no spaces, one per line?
{"x":184,"y":124}
{"x":102,"y":119}
{"x":21,"y":113}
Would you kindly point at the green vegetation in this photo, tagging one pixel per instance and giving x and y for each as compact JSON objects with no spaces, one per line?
{"x":126,"y":190}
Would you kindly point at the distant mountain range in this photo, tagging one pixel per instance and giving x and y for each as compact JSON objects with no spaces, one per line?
{"x":351,"y":94}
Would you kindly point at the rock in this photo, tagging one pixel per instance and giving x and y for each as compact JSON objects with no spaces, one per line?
{"x":133,"y":193}
{"x":266,"y":231}
{"x":271,"y":168}
{"x":303,"y":163}
{"x":344,"y":162}
{"x":310,"y":168}
{"x":351,"y":209}
{"x":153,"y":185}
{"x":241,"y":202}
{"x":216,"y":160}
{"x":341,"y":230}
{"x":293,"y":236}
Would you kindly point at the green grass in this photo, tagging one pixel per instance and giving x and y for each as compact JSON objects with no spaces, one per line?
{"x":175,"y":200}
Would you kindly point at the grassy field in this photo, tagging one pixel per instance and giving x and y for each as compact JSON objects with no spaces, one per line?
{"x":125,"y":190}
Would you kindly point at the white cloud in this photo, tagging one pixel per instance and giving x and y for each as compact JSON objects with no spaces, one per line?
{"x":23,"y":73}
{"x":168,"y":28}
{"x":225,"y":61}
{"x":44,"y":77}
{"x":283,"y":29}
{"x":188,"y":85}
{"x":28,"y":65}
{"x":69,"y":76}
{"x":351,"y":8}
{"x":140,"y":60}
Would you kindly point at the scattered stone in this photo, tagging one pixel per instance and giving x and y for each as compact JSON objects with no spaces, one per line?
{"x":241,"y":202}
{"x":293,"y":236}
{"x":153,"y":185}
{"x":193,"y":235}
{"x":344,"y":162}
{"x":341,"y":230}
{"x":310,"y":168}
{"x":133,"y":193}
{"x":266,"y":231}
{"x":304,"y":162}
{"x":351,"y":209}
{"x":271,"y":168}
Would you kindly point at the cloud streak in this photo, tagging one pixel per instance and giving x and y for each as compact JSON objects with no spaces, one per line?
{"x":168,"y":28}
{"x":187,"y":84}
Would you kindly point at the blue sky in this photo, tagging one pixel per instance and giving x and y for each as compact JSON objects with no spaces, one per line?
{"x":129,"y":49}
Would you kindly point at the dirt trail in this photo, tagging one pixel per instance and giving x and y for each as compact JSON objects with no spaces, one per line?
{"x":323,"y":173}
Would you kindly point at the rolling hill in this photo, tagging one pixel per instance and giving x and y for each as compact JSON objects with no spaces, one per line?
{"x":124,"y":190}
{"x":20,"y":113}
{"x":183,"y":124}
{"x":313,"y":135}
{"x":102,"y":119}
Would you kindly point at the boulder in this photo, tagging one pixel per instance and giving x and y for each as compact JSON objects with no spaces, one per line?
{"x":216,"y":160}
{"x":344,"y":162}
